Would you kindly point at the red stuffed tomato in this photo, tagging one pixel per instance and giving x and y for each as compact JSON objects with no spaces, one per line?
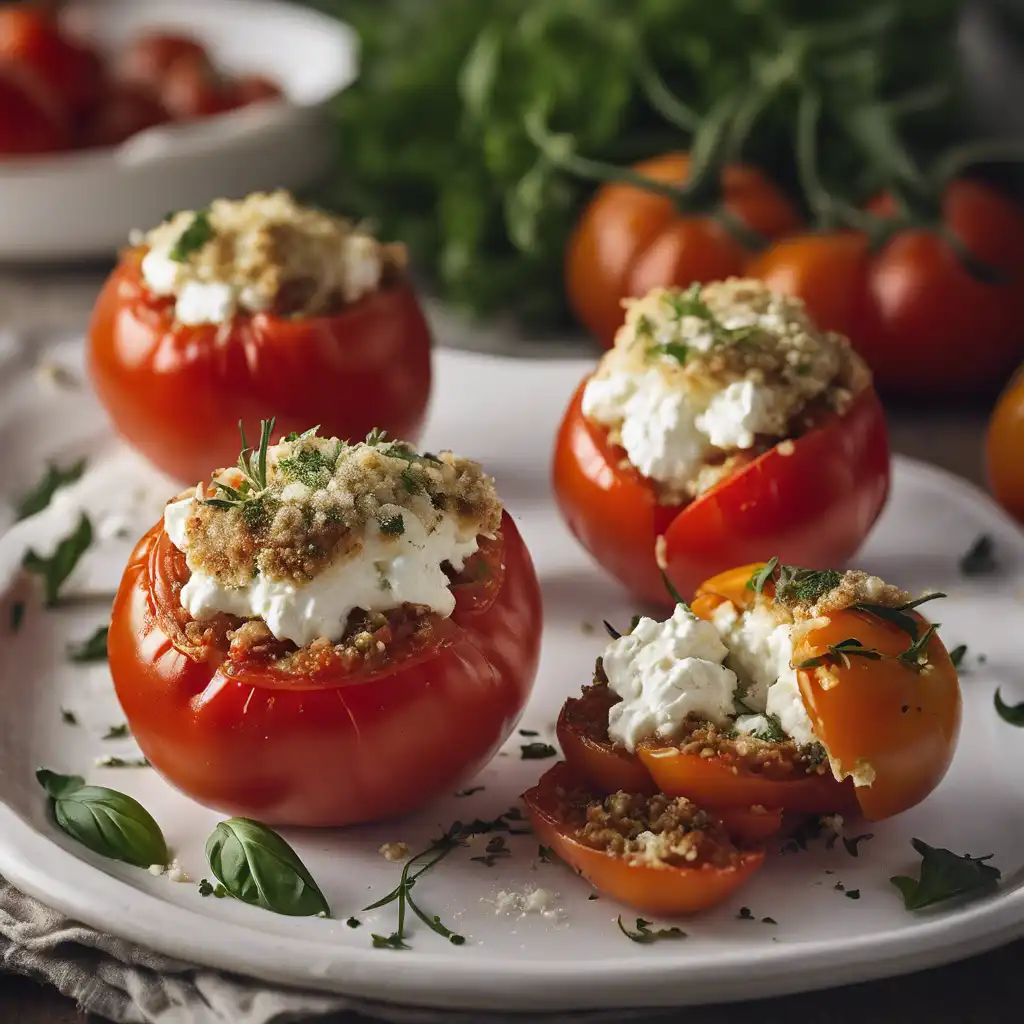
{"x":176,"y":391}
{"x":325,"y":734}
{"x":812,"y":492}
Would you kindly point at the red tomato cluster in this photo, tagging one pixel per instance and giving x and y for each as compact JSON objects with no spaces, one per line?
{"x":58,"y":92}
{"x":937,"y":309}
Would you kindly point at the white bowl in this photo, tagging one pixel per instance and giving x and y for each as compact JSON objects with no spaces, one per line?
{"x":83,"y":204}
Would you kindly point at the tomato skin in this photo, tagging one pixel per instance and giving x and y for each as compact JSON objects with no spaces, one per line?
{"x":629,"y":240}
{"x":147,"y":58}
{"x":661,"y":891}
{"x":177,"y":392}
{"x":857,"y":710}
{"x":30,"y":121}
{"x":334,"y":750}
{"x":1003,"y":445}
{"x":125,"y":111}
{"x":812,"y":507}
{"x":191,"y":88}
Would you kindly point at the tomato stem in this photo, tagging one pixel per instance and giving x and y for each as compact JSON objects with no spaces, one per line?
{"x":662,"y":100}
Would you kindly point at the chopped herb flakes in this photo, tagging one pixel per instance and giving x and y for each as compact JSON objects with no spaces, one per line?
{"x":768,"y":920}
{"x":593,"y":896}
{"x":111,"y":761}
{"x":53,"y":480}
{"x":771,"y":731}
{"x":545,"y":854}
{"x":528,"y":733}
{"x":840,"y":654}
{"x":673,"y":349}
{"x":93,"y":649}
{"x":745,"y":914}
{"x":17,"y":615}
{"x":354,"y":922}
{"x":497,"y":849}
{"x":117,"y":732}
{"x":193,"y":238}
{"x":392,"y":526}
{"x":470,"y":791}
{"x":852,"y":894}
{"x":979,"y":559}
{"x":68,"y":717}
{"x":55,"y":570}
{"x":957,"y":655}
{"x":645,"y":935}
{"x":537,"y":751}
{"x":852,"y":842}
{"x":944,"y":876}
{"x":1012,"y":714}
{"x":217,"y":891}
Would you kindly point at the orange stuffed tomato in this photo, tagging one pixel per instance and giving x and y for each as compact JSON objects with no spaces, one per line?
{"x":250,"y":309}
{"x":782,"y":690}
{"x":661,"y":855}
{"x":331,"y":633}
{"x":725,"y":423}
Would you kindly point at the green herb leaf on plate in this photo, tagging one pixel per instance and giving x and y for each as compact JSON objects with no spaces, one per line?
{"x":68,"y":717}
{"x":93,"y":649}
{"x":1012,"y":714}
{"x":957,"y":655}
{"x":55,"y":570}
{"x":979,"y":559}
{"x":53,"y":480}
{"x":537,"y":751}
{"x":105,"y":821}
{"x":257,"y":866}
{"x":944,"y":876}
{"x":117,"y":732}
{"x":645,"y":935}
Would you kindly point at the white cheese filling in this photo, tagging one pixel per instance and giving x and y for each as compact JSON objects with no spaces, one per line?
{"x":389,"y":571}
{"x":667,"y":671}
{"x":668,"y":433}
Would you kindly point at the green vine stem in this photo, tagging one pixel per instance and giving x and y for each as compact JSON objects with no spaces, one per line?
{"x":662,"y":100}
{"x":983,"y":151}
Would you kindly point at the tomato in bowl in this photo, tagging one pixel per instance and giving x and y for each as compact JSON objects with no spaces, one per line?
{"x":721,"y":429}
{"x":253,"y":309}
{"x":394,"y":678}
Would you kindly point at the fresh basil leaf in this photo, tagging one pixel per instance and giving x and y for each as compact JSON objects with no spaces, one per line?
{"x":257,"y":866}
{"x":979,"y":559}
{"x":1012,"y":714}
{"x":53,"y":480}
{"x":193,"y":238}
{"x":105,"y":821}
{"x":93,"y":649}
{"x":55,"y":570}
{"x":944,"y":876}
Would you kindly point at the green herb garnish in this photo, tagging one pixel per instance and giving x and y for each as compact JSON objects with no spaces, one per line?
{"x":611,"y":630}
{"x":105,"y":821}
{"x":745,"y":914}
{"x":768,"y":920}
{"x":93,"y":649}
{"x":759,"y":578}
{"x":771,"y":731}
{"x":979,"y":559}
{"x":310,"y":466}
{"x":840,"y":654}
{"x":898,"y":616}
{"x":545,"y":854}
{"x":55,"y":570}
{"x":217,"y":891}
{"x":805,"y":586}
{"x":1013,"y":714}
{"x":255,"y":865}
{"x":193,"y":238}
{"x":470,"y":791}
{"x":53,"y":480}
{"x":916,"y":655}
{"x":496,"y":850}
{"x":113,"y":761}
{"x":852,"y":842}
{"x":68,"y":717}
{"x":673,"y":349}
{"x":253,"y":467}
{"x":537,"y":751}
{"x":117,"y":732}
{"x":957,"y":655}
{"x":645,"y":935}
{"x":944,"y":876}
{"x":354,"y":922}
{"x":672,"y":592}
{"x":392,"y":526}
{"x":852,"y":894}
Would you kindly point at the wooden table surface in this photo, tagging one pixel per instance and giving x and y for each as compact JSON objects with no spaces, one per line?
{"x":982,"y":990}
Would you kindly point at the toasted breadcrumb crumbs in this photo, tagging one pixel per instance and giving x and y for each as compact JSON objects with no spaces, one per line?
{"x":291,"y":259}
{"x":321,"y":493}
{"x":394,"y":851}
{"x":842,"y":590}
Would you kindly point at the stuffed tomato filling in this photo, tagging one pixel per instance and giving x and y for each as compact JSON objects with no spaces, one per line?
{"x":700,"y":382}
{"x":728,"y":685}
{"x":265,"y":253}
{"x":318,"y":554}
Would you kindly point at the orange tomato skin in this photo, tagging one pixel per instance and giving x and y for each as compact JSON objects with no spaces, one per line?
{"x":901,"y":722}
{"x":1003,"y":446}
{"x":327,"y":749}
{"x":176,"y":393}
{"x":813,"y":506}
{"x":659,"y":891}
{"x":629,"y":240}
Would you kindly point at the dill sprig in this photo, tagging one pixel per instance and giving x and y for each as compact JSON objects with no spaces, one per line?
{"x":252,"y":464}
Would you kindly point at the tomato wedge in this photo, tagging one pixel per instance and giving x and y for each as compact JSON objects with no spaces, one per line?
{"x":654,"y":888}
{"x":811,"y":501}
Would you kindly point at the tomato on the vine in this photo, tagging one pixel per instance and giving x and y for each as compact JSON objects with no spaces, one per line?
{"x":327,"y":747}
{"x":177,"y":392}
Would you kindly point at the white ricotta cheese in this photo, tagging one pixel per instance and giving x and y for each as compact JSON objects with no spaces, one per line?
{"x":542,"y":902}
{"x":736,"y":415}
{"x":664,"y":672}
{"x":390,"y":571}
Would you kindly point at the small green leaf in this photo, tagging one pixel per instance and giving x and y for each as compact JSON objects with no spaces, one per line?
{"x":957,"y":655}
{"x":354,"y":922}
{"x":805,"y":586}
{"x":105,"y":821}
{"x":745,"y":914}
{"x":1012,"y":714}
{"x":117,"y":732}
{"x":644,"y":935}
{"x":257,"y":866}
{"x":672,"y":592}
{"x":979,"y":559}
{"x":392,"y":526}
{"x":113,"y":761}
{"x":762,"y":576}
{"x":193,"y":238}
{"x":55,"y":570}
{"x":673,"y":349}
{"x":611,"y":630}
{"x":852,"y":894}
{"x":93,"y":649}
{"x":545,"y":854}
{"x":851,"y":843}
{"x":537,"y":751}
{"x":53,"y":480}
{"x":68,"y":717}
{"x":944,"y":876}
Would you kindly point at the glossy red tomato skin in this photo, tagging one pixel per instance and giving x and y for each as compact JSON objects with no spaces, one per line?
{"x":177,"y":392}
{"x":126,"y":110}
{"x":813,"y":506}
{"x":147,"y":58}
{"x":30,"y":122}
{"x":330,"y":751}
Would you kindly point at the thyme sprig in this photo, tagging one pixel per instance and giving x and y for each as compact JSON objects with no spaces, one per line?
{"x":841,"y":653}
{"x":252,"y":464}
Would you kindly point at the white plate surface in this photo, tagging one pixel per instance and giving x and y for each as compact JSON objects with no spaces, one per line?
{"x":504,"y":412}
{"x":76,"y":204}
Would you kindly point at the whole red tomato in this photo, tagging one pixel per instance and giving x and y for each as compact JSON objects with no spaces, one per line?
{"x":328,"y":748}
{"x":68,"y":68}
{"x":124,"y":111}
{"x":147,"y":58}
{"x":811,"y":500}
{"x":29,"y":120}
{"x":629,"y":240}
{"x":924,"y":322}
{"x":254,"y":89}
{"x":192,"y":88}
{"x":177,"y":392}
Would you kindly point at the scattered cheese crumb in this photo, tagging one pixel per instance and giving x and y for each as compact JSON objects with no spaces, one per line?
{"x":394,"y":851}
{"x":530,"y":901}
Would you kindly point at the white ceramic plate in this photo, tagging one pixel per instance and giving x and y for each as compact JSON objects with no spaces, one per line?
{"x":73,"y":205}
{"x":504,"y":412}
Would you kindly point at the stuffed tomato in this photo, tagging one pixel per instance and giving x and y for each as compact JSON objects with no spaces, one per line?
{"x":782,"y":690}
{"x":329,"y":633}
{"x":254,"y":308}
{"x":722,"y":428}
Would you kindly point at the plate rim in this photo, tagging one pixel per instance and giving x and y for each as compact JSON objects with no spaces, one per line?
{"x":80,"y":888}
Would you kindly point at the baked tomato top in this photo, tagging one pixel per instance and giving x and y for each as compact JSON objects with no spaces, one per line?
{"x":387,"y":706}
{"x":725,"y":423}
{"x":247,"y":311}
